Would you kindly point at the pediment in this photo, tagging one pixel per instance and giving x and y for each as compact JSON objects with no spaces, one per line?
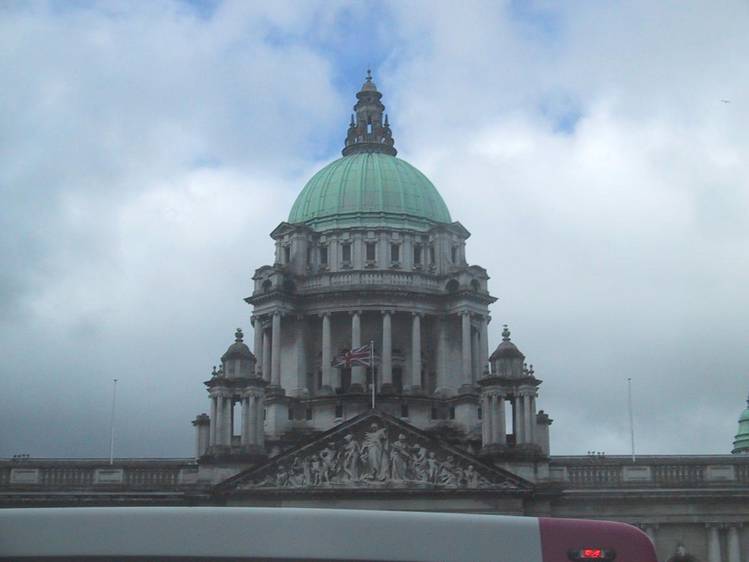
{"x":375,"y":451}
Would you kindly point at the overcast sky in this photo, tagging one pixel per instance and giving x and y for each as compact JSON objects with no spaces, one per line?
{"x":597,"y":152}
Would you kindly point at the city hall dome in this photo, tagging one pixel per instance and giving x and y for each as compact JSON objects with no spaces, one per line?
{"x":369,"y":189}
{"x":369,"y":186}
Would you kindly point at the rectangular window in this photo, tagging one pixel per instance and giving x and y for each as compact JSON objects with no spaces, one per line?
{"x":309,"y":255}
{"x":395,"y":253}
{"x":371,"y":251}
{"x":434,"y":413}
{"x":291,"y":413}
{"x":454,"y":254}
{"x":417,"y":255}
{"x":432,"y":256}
{"x":404,"y":410}
{"x":286,"y":254}
{"x":346,"y":251}
{"x":339,"y":410}
{"x":308,"y":413}
{"x":452,"y":412}
{"x":479,"y":413}
{"x":323,"y":255}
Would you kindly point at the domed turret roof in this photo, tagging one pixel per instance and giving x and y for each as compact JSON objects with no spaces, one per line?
{"x":741,"y":442}
{"x":369,"y":186}
{"x":237,"y":350}
{"x":369,"y":189}
{"x":506,"y":349}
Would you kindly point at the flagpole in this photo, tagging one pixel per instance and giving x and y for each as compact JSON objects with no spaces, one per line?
{"x":111,"y":423}
{"x":631,"y":420}
{"x":372,"y":371}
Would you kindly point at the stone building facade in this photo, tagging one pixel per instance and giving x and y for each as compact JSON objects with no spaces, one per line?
{"x":370,"y":256}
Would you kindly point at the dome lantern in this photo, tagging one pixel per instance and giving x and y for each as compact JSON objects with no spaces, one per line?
{"x":368,"y":131}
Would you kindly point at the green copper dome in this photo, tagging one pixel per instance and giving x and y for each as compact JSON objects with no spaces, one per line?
{"x":369,"y":189}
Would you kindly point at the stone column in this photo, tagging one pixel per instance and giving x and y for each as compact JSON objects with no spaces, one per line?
{"x":415,"y":352}
{"x":358,"y":374}
{"x":486,"y":420}
{"x":734,"y":544}
{"x":387,"y":352}
{"x":266,"y":356}
{"x":475,"y":361}
{"x":243,"y":433}
{"x":517,"y":415}
{"x":228,"y":419}
{"x":214,"y":419}
{"x":483,"y":345}
{"x":528,"y":428}
{"x":501,"y":430}
{"x":258,"y":325}
{"x":250,"y":418}
{"x":275,"y":354}
{"x":301,"y":359}
{"x":260,"y":425}
{"x":325,"y":363}
{"x":466,"y":343}
{"x":220,"y":438}
{"x":713,"y":543}
{"x":496,"y":419}
{"x":442,"y":366}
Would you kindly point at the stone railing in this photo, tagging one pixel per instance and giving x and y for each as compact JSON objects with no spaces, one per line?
{"x":337,"y":279}
{"x":654,"y":472}
{"x":138,"y":474}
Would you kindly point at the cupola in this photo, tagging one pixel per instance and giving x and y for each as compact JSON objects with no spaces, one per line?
{"x":741,"y":442}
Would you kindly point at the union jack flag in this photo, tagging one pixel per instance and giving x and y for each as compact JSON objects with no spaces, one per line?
{"x":360,"y":356}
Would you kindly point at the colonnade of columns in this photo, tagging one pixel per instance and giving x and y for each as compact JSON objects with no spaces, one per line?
{"x":494,"y":415}
{"x":733,"y":542}
{"x":474,"y":350}
{"x":714,"y":531}
{"x":251,"y":402}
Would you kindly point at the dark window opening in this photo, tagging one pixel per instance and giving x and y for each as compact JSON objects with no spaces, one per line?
{"x":417,"y":255}
{"x":404,"y":410}
{"x":479,"y":412}
{"x":308,"y":413}
{"x":432,"y":255}
{"x":339,"y":410}
{"x":454,"y":254}
{"x":433,"y":414}
{"x":346,"y":253}
{"x":395,"y":253}
{"x":291,"y":413}
{"x":323,"y":255}
{"x":319,"y":379}
{"x":370,"y":251}
{"x":452,"y":412}
{"x":286,"y":254}
{"x":397,"y":380}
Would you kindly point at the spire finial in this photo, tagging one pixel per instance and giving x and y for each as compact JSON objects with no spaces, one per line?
{"x":238,"y":335}
{"x":505,"y":333}
{"x":369,"y":75}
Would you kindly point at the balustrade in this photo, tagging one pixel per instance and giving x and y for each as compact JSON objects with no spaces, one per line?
{"x":382,"y":278}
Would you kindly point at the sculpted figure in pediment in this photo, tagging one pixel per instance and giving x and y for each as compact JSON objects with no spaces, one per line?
{"x":375,"y":450}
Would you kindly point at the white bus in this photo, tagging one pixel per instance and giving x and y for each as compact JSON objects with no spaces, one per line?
{"x":237,"y":534}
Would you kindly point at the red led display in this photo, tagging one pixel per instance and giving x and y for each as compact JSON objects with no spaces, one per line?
{"x":592,"y":554}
